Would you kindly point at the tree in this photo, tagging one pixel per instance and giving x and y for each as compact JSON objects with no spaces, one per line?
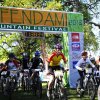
{"x":89,"y":38}
{"x":67,"y":5}
{"x":87,"y":9}
{"x":17,"y":42}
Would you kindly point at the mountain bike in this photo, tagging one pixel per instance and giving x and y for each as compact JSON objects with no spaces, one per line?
{"x":97,"y":79}
{"x":89,"y":84}
{"x":37,"y":83}
{"x":58,"y":90}
{"x":3,"y":80}
{"x":11,"y":84}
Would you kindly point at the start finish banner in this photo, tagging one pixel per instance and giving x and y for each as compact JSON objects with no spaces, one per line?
{"x":76,"y":44}
{"x":20,"y":19}
{"x":32,"y":20}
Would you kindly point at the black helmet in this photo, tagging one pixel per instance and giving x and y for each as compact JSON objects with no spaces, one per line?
{"x":11,"y":55}
{"x":92,"y":59}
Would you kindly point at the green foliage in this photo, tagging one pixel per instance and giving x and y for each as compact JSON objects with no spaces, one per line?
{"x":54,"y":5}
{"x":6,"y":43}
{"x":18,"y":3}
{"x":84,"y":10}
{"x":90,"y":40}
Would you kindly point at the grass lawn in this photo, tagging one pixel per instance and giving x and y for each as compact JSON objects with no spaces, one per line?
{"x":72,"y":95}
{"x":20,"y":95}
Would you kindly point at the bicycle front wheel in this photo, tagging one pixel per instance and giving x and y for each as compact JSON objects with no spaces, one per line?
{"x":39,"y":89}
{"x":91,"y":89}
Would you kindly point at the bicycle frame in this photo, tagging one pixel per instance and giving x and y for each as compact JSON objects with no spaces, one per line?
{"x":88,"y":84}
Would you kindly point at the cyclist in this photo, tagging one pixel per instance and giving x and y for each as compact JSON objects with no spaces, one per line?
{"x":81,"y":64}
{"x":37,"y":62}
{"x":93,"y":60}
{"x":12,"y":64}
{"x":54,"y":64}
{"x":25,"y":65}
{"x":25,"y":61}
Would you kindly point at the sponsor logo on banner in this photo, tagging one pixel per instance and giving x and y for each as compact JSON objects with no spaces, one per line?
{"x":74,"y":63}
{"x":75,"y":46}
{"x":76,"y":55}
{"x":75,"y":37}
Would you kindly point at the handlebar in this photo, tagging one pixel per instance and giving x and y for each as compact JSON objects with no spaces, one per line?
{"x":37,"y":70}
{"x":67,"y":69}
{"x":26,"y":70}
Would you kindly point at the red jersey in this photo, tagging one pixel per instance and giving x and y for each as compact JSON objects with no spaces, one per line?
{"x":55,"y":58}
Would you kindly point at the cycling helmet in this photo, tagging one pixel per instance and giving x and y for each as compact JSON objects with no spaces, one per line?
{"x":37,"y":53}
{"x":58,"y":46}
{"x":11,"y":55}
{"x":92,"y":59}
{"x":84,"y":53}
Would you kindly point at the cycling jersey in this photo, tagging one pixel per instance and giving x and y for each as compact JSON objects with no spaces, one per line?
{"x":35,"y":62}
{"x":12,"y":64}
{"x":55,"y":59}
{"x":82,"y":63}
{"x":25,"y":62}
